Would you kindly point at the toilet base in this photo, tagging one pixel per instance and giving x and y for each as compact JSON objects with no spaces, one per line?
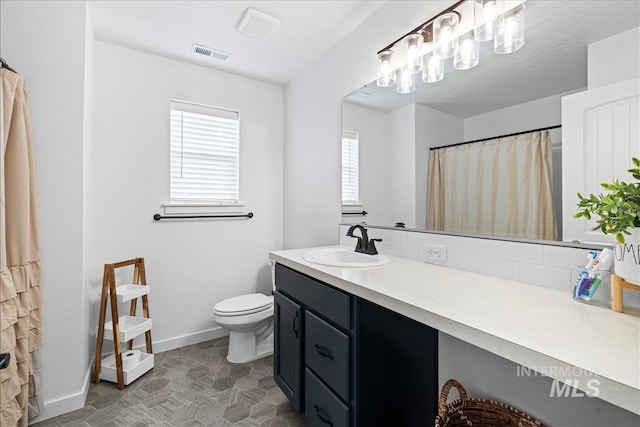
{"x":243,"y":348}
{"x":247,"y":346}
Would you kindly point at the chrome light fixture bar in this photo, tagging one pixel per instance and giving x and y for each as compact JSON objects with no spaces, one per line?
{"x":454,"y":33}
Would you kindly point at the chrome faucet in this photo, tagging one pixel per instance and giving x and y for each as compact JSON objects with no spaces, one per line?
{"x":364,"y":245}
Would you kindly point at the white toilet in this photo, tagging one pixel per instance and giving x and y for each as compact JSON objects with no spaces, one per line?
{"x":249,"y":320}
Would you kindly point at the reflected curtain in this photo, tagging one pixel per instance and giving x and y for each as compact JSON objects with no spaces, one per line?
{"x":20,"y":275}
{"x":501,"y":187}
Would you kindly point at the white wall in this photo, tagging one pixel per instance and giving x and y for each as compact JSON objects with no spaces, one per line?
{"x":373,"y":138}
{"x":191,"y":265}
{"x":45,"y":42}
{"x":401,"y":164}
{"x":90,"y":321}
{"x":539,"y":113}
{"x":434,"y":128}
{"x":614,"y":59}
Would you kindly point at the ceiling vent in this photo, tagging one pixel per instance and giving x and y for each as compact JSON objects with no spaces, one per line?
{"x":207,"y":51}
{"x":256,"y":24}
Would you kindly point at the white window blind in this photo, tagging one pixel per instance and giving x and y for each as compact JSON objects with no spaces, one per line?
{"x":350,"y":168}
{"x":204,"y":153}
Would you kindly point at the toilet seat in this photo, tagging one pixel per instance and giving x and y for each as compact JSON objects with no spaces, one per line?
{"x":243,"y":305}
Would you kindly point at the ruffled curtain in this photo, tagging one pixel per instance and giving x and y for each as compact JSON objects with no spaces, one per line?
{"x":501,"y":187}
{"x":20,"y":275}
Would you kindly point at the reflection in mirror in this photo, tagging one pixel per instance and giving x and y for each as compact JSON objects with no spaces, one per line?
{"x":504,"y":94}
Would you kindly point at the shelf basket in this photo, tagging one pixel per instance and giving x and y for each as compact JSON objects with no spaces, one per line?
{"x":478,"y":412}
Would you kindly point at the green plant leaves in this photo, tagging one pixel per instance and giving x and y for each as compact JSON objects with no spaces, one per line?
{"x":618,"y":210}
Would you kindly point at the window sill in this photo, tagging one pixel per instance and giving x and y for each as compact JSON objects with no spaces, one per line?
{"x":177,"y":208}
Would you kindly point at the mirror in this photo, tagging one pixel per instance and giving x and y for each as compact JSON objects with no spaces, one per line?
{"x":504,"y":94}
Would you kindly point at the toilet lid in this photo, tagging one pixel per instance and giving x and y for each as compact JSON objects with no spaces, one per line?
{"x":243,"y":304}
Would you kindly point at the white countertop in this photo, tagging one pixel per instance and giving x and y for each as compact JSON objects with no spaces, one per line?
{"x":539,"y":328}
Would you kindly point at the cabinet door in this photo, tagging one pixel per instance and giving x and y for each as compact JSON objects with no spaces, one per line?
{"x":287,"y":359}
{"x":600,"y":134}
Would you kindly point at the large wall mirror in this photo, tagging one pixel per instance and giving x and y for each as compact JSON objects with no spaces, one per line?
{"x":504,"y":94}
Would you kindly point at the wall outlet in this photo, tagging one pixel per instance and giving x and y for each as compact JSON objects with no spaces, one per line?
{"x":434,"y":253}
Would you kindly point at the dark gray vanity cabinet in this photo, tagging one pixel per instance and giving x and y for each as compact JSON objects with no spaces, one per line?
{"x":344,"y":361}
{"x":288,"y":348}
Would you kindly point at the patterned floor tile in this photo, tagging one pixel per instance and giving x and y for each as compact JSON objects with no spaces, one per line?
{"x":237,"y":411}
{"x":189,"y":387}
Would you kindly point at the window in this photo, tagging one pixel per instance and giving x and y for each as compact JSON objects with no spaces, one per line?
{"x":204,"y":154}
{"x":350,"y":168}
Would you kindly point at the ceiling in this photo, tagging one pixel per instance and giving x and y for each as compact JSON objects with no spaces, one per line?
{"x":306,"y":31}
{"x":552,"y":61}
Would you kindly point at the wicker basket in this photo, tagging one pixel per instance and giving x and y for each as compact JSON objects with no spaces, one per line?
{"x":478,"y":412}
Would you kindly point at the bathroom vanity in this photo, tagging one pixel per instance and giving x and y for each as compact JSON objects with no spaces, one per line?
{"x":345,"y":361}
{"x":358,"y":346}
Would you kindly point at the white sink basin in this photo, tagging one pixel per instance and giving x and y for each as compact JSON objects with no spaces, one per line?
{"x":340,"y":257}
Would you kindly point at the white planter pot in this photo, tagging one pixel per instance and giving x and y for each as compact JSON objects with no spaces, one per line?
{"x":627,"y":257}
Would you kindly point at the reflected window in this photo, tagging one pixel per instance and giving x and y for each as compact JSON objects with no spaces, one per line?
{"x":350,"y":186}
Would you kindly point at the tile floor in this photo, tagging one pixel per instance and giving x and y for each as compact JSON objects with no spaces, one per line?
{"x":189,"y":386}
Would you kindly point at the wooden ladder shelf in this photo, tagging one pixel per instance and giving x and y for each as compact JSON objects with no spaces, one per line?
{"x":124,"y":328}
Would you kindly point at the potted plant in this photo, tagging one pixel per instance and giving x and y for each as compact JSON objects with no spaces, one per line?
{"x":619,"y":213}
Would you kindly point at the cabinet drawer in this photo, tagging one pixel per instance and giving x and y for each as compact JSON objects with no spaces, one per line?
{"x":327,"y":353}
{"x":332,"y":304}
{"x":322,"y":407}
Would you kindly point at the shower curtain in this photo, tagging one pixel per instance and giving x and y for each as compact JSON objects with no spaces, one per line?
{"x":20,"y":276}
{"x":501,"y":187}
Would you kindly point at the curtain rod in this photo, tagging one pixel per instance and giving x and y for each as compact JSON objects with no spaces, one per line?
{"x":496,"y":137}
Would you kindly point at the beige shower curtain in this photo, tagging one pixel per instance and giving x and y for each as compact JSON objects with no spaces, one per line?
{"x":20,"y":276}
{"x":502,"y":187}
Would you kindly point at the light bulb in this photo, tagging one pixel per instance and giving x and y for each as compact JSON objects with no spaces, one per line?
{"x":445,"y":34}
{"x":510,"y":30}
{"x":488,"y":17}
{"x":406,"y":82}
{"x":509,"y":37}
{"x":433,"y":69}
{"x":411,"y":58}
{"x":386,"y":69}
{"x":468,"y":54}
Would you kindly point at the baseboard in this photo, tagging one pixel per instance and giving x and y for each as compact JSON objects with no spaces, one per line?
{"x":72,"y":402}
{"x":62,"y":405}
{"x":185,"y":340}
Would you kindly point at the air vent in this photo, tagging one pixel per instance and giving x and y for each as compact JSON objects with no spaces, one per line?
{"x":207,"y":51}
{"x":257,"y":24}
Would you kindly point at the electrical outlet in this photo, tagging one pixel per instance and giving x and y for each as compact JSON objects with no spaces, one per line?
{"x":434,"y":253}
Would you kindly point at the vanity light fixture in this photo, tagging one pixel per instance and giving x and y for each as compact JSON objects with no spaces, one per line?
{"x":488,"y":16}
{"x":510,"y":35}
{"x":406,"y":82}
{"x":468,"y":54}
{"x":412,"y":51}
{"x":433,"y":68}
{"x":386,"y":69}
{"x":454,"y":33}
{"x":445,"y":34}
